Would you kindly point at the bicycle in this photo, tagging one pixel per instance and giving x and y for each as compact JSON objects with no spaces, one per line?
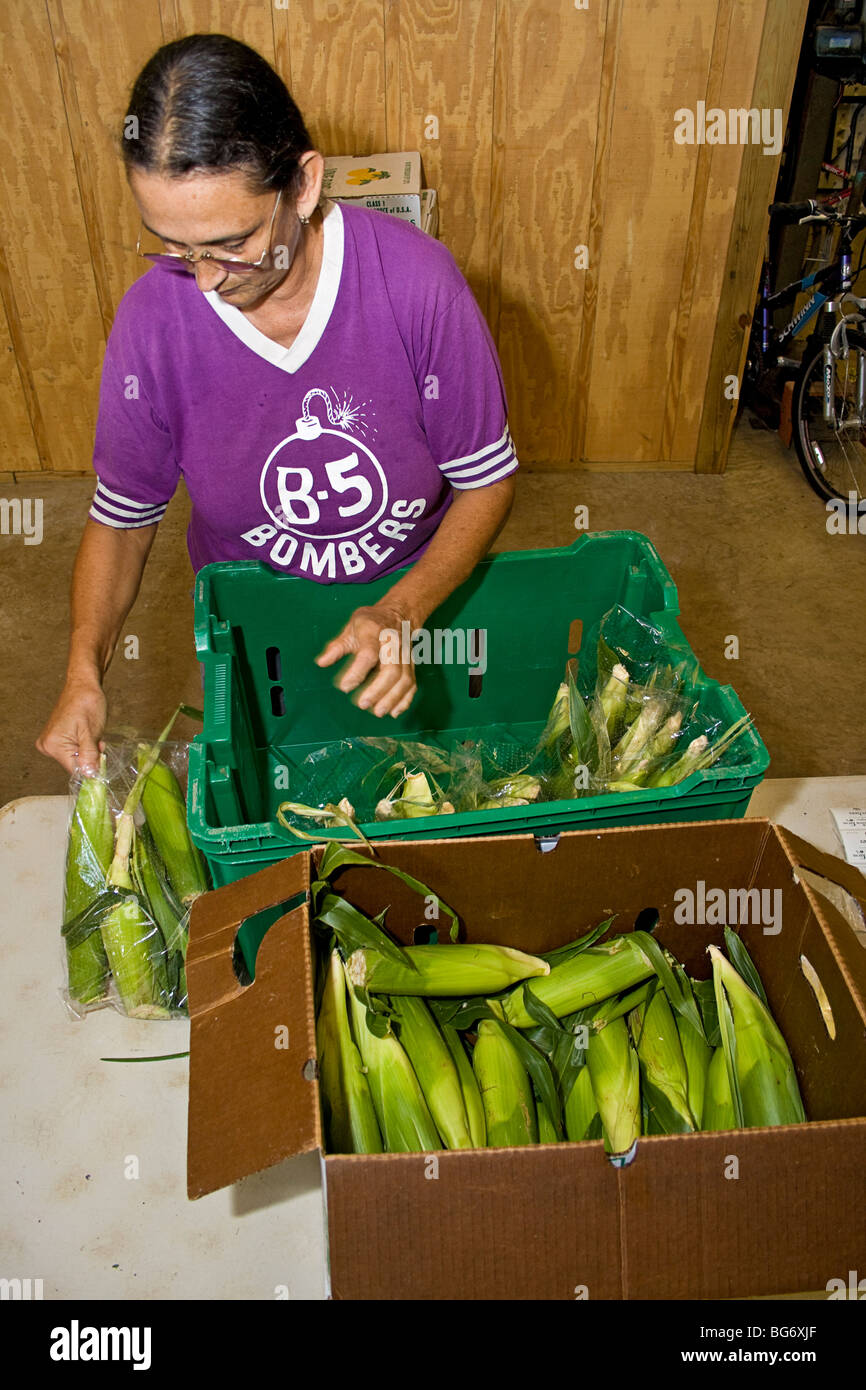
{"x":829,"y":400}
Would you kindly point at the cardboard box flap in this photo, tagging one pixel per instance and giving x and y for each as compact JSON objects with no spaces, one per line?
{"x":848,"y":876}
{"x":252,"y":1046}
{"x":837,"y":891}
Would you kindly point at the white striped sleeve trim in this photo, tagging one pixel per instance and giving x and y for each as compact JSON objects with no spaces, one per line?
{"x":485,"y":466}
{"x":112,"y":509}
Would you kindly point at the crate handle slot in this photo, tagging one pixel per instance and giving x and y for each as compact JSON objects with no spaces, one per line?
{"x":278,"y":700}
{"x":274,"y":663}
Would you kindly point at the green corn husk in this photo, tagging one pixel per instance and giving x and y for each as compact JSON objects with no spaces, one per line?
{"x":88,"y":859}
{"x":132,"y":941}
{"x":468,"y":1084}
{"x":332,"y":1093}
{"x":697,"y":1053}
{"x":133,"y":946}
{"x":584,"y":979}
{"x":580,"y":1107}
{"x":347,"y":1105}
{"x":640,"y":773}
{"x":718,"y":1111}
{"x":167,"y":915}
{"x":506,"y":1091}
{"x":435,"y":1069}
{"x":701,"y":754}
{"x":165,"y":809}
{"x":663,"y":1066}
{"x":636,"y":780}
{"x":615,"y":1074}
{"x":613,"y":698}
{"x":558,"y":719}
{"x":665,"y":740}
{"x":520,"y":788}
{"x":546,"y":1129}
{"x":761,"y":1073}
{"x":453,"y":970}
{"x":416,"y":799}
{"x":638,"y":736}
{"x":404,"y":1118}
{"x":618,"y":1005}
{"x":690,"y":761}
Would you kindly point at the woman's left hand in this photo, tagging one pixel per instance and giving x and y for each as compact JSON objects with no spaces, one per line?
{"x":373,"y":635}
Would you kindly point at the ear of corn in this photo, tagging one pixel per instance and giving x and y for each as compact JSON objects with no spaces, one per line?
{"x":661,"y":1058}
{"x":468,"y":1084}
{"x":350,"y":1118}
{"x":133,"y":946}
{"x":665,"y":740}
{"x":453,"y":970}
{"x":690,"y":761}
{"x":697,"y":1053}
{"x":333,"y":1093}
{"x":718,"y":1111}
{"x":434,"y":1067}
{"x":613,"y":698}
{"x":557,"y":720}
{"x":132,"y":941}
{"x":170,"y":919}
{"x":637,"y":738}
{"x":615,"y":1074}
{"x":506,"y":1091}
{"x":758,"y":1060}
{"x":88,"y":859}
{"x":584,"y":979}
{"x":580,"y":1107}
{"x":404,"y":1118}
{"x":165,"y":810}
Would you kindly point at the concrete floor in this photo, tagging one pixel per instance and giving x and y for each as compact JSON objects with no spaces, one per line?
{"x":749,"y":552}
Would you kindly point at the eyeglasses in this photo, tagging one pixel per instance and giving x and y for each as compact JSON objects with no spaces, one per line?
{"x":187,"y":260}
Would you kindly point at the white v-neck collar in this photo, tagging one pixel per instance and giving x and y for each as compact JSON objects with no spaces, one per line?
{"x":290,"y":359}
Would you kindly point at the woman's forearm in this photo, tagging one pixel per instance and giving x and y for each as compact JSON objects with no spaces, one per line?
{"x":469,"y":528}
{"x":105,"y":583}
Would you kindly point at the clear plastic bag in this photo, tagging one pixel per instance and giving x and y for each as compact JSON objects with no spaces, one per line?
{"x":628,"y":717}
{"x":636,"y":717}
{"x":132,"y":874}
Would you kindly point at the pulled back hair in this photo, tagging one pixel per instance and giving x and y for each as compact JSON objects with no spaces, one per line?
{"x":209,"y":104}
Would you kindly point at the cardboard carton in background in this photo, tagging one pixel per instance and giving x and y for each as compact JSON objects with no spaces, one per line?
{"x":546,"y":1222}
{"x":388,"y":183}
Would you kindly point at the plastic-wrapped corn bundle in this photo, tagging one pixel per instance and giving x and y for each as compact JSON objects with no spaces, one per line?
{"x":132,"y":875}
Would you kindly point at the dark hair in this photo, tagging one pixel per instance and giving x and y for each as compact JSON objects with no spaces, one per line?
{"x":208,"y":103}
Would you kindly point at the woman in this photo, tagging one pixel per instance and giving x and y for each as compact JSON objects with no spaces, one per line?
{"x":319,"y":375}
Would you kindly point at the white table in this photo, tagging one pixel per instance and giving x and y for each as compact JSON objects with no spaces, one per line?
{"x":72,"y":1126}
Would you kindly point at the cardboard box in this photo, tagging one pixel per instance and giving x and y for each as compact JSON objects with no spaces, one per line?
{"x":388,"y":183}
{"x":354,"y":176}
{"x":752,"y":1212}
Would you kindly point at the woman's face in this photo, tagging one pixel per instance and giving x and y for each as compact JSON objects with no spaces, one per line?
{"x":219,"y":213}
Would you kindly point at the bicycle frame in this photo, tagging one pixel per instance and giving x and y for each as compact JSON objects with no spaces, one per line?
{"x":840,"y":272}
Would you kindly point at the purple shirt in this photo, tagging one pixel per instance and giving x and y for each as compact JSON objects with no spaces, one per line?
{"x":333,"y":459}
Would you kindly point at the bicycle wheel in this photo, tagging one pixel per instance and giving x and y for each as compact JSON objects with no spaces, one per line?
{"x":832,"y":456}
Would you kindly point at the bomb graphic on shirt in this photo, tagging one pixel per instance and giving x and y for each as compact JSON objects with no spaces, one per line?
{"x":320,"y":482}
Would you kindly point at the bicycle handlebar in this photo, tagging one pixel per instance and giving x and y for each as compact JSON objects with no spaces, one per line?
{"x":794,"y":209}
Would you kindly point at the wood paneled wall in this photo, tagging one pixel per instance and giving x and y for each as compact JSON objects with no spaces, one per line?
{"x":555,"y":133}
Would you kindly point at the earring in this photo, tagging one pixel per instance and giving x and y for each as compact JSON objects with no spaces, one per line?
{"x":302,"y":218}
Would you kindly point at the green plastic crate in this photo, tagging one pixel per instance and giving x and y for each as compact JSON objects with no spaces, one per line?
{"x":258,"y":632}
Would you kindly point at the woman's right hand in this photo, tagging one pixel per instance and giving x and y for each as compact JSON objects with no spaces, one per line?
{"x":75,"y":726}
